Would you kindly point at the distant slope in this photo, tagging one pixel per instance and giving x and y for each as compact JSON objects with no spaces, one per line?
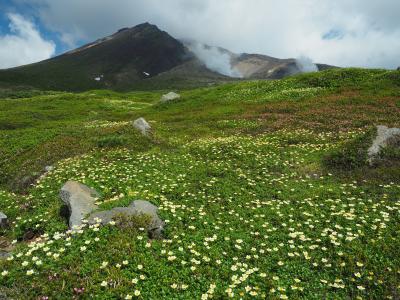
{"x":142,"y":57}
{"x":120,"y":60}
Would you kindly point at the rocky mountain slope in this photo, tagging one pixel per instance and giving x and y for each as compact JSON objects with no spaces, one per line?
{"x":144,"y":57}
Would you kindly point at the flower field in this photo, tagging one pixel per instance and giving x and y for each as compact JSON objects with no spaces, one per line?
{"x":251,"y":211}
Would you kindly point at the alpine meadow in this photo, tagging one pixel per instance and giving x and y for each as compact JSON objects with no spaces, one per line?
{"x":135,"y":168}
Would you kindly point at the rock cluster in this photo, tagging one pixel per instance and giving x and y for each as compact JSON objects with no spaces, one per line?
{"x":81,"y":199}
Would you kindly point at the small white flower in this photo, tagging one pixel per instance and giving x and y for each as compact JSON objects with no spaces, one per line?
{"x":104,"y":283}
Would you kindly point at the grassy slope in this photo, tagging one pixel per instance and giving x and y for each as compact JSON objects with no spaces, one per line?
{"x":239,"y":171}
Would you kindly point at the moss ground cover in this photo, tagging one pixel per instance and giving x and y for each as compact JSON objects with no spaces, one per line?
{"x":255,"y":203}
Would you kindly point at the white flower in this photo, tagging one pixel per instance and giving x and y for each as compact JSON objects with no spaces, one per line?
{"x":30,"y":272}
{"x":128,"y":297}
{"x":136,"y":293}
{"x":4,"y":273}
{"x":25,"y":263}
{"x":104,"y":283}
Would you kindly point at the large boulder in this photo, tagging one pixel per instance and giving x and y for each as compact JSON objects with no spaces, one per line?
{"x":3,"y":220}
{"x":80,"y":201}
{"x":142,"y":125}
{"x":384,"y":137}
{"x":136,"y":208}
{"x":169,"y":97}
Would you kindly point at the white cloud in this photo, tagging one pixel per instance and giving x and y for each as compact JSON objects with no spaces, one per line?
{"x":369,"y":29}
{"x":24,"y":44}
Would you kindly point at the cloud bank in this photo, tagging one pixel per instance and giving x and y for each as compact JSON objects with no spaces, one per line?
{"x":24,"y":44}
{"x":364,"y":33}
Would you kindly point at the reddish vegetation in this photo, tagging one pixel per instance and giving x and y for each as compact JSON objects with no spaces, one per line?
{"x":344,"y":111}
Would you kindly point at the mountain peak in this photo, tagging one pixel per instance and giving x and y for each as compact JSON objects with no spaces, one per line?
{"x":143,"y":27}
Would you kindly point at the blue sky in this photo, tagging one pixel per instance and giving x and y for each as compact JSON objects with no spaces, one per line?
{"x":361,"y":33}
{"x":27,"y":10}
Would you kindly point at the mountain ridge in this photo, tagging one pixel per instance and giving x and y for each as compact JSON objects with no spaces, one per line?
{"x":144,"y":57}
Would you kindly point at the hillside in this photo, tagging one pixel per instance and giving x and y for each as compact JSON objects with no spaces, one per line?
{"x":264,"y":188}
{"x":139,"y":58}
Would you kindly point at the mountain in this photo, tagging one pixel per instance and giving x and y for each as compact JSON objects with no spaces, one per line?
{"x":145,"y":57}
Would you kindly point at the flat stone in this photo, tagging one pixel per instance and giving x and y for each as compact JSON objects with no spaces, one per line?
{"x":142,"y":125}
{"x":138,"y":207}
{"x":80,"y":201}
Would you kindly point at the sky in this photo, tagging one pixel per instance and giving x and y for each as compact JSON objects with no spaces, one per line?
{"x":359,"y":33}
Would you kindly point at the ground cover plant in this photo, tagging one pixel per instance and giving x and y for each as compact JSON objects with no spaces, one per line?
{"x":263,"y":186}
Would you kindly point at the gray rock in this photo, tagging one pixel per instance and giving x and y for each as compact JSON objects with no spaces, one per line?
{"x":80,"y":201}
{"x":142,"y":125}
{"x":383,"y":137}
{"x":4,"y":255}
{"x":138,"y":207}
{"x":170,"y":96}
{"x":48,"y":168}
{"x":3,"y":220}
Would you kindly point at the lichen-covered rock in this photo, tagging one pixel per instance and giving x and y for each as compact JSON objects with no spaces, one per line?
{"x":142,"y":125}
{"x":170,"y":96}
{"x":383,"y":137}
{"x":136,"y":208}
{"x":80,"y":201}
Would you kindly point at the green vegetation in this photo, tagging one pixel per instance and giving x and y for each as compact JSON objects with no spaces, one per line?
{"x":263,"y":186}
